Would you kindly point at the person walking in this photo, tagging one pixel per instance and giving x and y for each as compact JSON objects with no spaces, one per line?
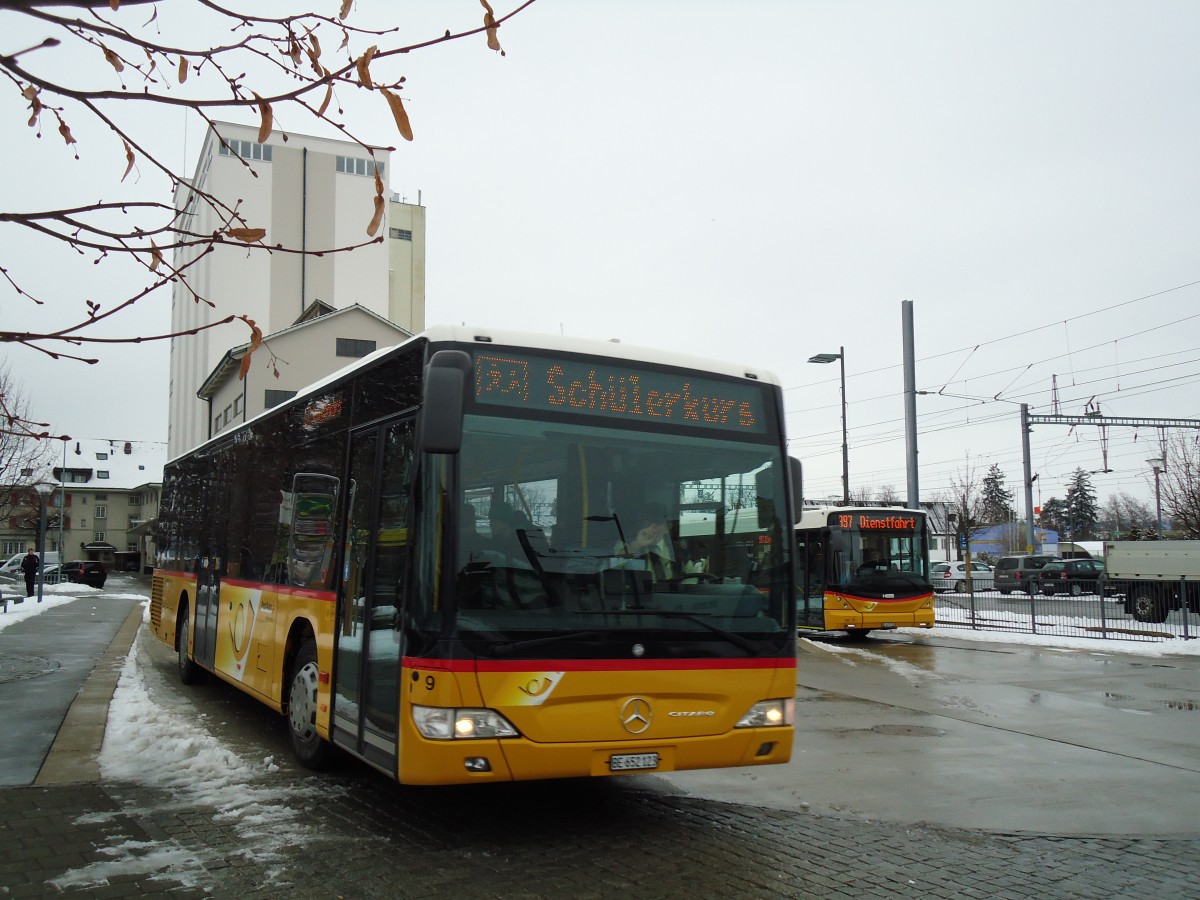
{"x":30,"y":565}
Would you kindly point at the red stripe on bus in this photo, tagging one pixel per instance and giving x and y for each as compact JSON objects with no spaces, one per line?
{"x":919,"y":598}
{"x":595,"y":665}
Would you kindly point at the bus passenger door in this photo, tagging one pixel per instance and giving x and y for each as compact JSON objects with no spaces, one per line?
{"x":366,"y":697}
{"x":811,"y":571}
{"x":208,"y":590}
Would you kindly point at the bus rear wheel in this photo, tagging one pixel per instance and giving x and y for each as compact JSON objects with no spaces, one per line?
{"x":189,"y":671}
{"x":307,"y":744}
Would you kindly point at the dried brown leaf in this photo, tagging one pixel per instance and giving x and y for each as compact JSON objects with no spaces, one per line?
{"x":363,"y":64}
{"x":156,"y":256}
{"x":489,"y":22}
{"x":314,"y":43}
{"x":256,"y":339}
{"x":128,"y":160}
{"x":246,"y":235}
{"x":113,"y":59}
{"x":294,"y":51}
{"x":113,"y":4}
{"x":65,"y":131}
{"x":398,"y":113}
{"x":35,"y":104}
{"x":183,"y":69}
{"x":265,"y":116}
{"x":325,"y":102}
{"x":345,"y":10}
{"x":378,"y":217}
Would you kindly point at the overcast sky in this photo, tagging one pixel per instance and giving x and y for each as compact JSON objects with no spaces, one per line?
{"x":764,"y":181}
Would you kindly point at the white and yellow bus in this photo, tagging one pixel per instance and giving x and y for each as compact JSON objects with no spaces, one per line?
{"x":421,"y":561}
{"x":863,"y":568}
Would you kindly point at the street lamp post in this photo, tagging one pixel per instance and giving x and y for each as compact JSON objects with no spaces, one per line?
{"x":840,"y":356}
{"x":44,"y":490}
{"x":1158,"y":464}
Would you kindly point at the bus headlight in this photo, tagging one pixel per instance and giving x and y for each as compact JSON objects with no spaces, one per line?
{"x":444,"y":724}
{"x":769,"y":712}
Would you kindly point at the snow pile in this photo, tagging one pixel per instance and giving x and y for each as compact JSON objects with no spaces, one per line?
{"x":155,"y":747}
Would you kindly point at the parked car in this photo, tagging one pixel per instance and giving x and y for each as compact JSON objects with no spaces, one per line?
{"x":87,"y":571}
{"x":952,"y":576}
{"x":51,"y":574}
{"x":1071,"y":576}
{"x":1019,"y":573}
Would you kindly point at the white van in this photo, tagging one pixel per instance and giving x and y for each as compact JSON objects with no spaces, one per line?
{"x":12,"y":566}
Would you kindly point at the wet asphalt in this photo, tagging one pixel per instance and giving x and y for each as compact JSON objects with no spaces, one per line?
{"x":922,"y":766}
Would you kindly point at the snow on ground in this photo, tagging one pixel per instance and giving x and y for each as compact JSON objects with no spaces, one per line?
{"x":52,"y":595}
{"x":166,"y":749}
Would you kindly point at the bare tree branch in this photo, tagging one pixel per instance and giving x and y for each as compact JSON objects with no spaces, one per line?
{"x":299,"y":63}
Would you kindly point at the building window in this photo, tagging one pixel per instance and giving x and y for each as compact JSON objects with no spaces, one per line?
{"x":400,"y":234}
{"x":131,"y":547}
{"x":135,"y":499}
{"x":101,"y":456}
{"x":274,"y":398}
{"x":216,"y":423}
{"x":98,"y":537}
{"x":11,"y":548}
{"x":355,"y":165}
{"x":26,"y":473}
{"x":102,"y":473}
{"x":237,"y":406}
{"x":228,"y":415}
{"x":354,"y":347}
{"x":246,"y":150}
{"x":100,"y":512}
{"x":100,"y":497}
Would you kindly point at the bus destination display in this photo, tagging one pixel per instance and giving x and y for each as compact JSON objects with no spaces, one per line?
{"x":886,"y":521}
{"x":623,"y":392}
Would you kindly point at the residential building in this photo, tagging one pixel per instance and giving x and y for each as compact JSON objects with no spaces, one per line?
{"x":309,"y":193}
{"x":326,"y":339}
{"x":105,"y":500}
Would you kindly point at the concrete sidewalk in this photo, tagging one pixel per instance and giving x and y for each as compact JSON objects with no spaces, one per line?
{"x":58,"y":671}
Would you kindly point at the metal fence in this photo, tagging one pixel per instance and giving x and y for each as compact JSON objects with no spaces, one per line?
{"x":1103,"y":611}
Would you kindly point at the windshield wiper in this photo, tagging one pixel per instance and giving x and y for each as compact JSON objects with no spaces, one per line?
{"x":504,"y":648}
{"x":734,"y":639}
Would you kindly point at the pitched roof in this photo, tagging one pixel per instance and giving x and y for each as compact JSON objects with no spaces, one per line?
{"x":129,"y":464}
{"x":314,"y":315}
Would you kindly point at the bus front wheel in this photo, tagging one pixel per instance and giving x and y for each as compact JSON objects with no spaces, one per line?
{"x":307,"y":744}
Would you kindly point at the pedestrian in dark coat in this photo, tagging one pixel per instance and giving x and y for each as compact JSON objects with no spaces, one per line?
{"x":30,"y":565}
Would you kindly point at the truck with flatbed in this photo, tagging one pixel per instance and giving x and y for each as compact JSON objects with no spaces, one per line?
{"x":1156,"y":577}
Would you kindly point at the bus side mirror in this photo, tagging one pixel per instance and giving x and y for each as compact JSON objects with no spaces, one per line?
{"x":797,"y":472}
{"x":443,"y":397}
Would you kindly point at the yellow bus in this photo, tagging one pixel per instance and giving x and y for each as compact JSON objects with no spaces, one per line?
{"x":863,"y":568}
{"x":436,"y":561}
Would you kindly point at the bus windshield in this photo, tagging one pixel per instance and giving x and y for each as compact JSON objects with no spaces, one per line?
{"x":571,"y":535}
{"x":881,"y":549}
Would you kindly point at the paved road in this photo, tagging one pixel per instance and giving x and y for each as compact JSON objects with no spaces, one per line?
{"x":270,"y":828}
